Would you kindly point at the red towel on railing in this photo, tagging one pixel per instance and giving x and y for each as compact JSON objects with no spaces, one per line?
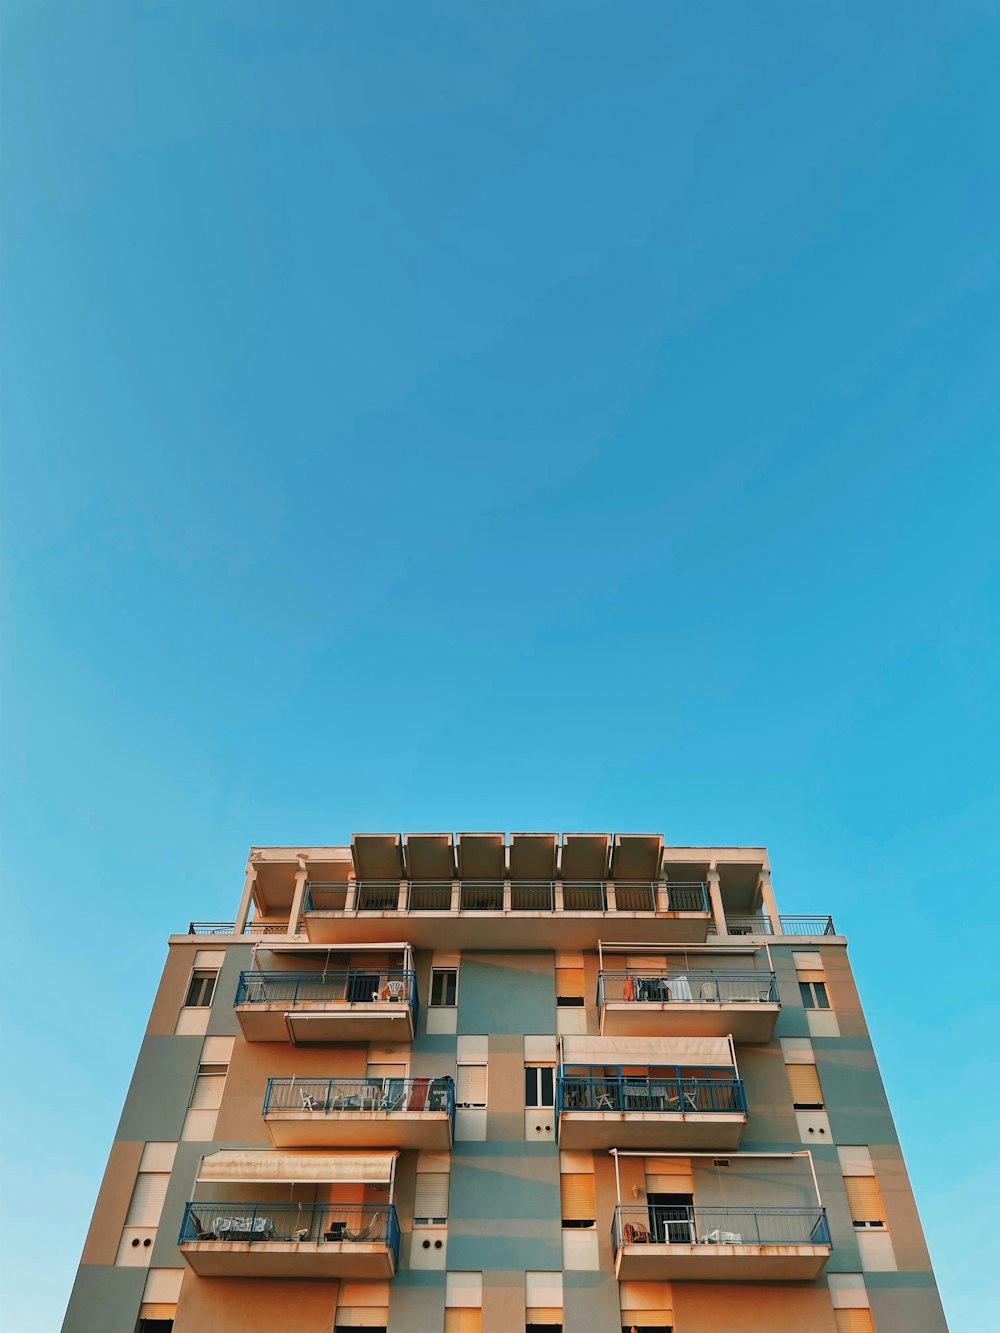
{"x":418,"y":1094}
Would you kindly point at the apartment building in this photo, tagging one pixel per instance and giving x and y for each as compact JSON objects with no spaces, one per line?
{"x":487,"y":1083}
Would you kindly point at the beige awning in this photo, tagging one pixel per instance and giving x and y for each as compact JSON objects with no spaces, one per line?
{"x":647,"y":1051}
{"x":249,"y":1166}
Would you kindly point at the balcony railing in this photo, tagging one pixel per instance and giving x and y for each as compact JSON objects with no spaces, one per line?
{"x":694,"y":1225}
{"x":790,"y":925}
{"x":309,"y":1223}
{"x":328,"y":1096}
{"x":488,"y":896}
{"x":686,"y":1095}
{"x":694,"y":985}
{"x":229,"y":928}
{"x":351,"y":986}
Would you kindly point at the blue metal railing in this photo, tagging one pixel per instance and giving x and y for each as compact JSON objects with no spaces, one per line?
{"x":328,"y":1096}
{"x":662,"y":1224}
{"x":650,"y":1094}
{"x":692,"y":985}
{"x":311,"y":1223}
{"x":340,"y":986}
{"x":790,"y":925}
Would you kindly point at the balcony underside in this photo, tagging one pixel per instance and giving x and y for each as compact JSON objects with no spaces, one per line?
{"x":318,"y":1023}
{"x":658,"y":1130}
{"x":720,"y":1263}
{"x":428,"y":1130}
{"x":359,"y":1260}
{"x":507,"y":930}
{"x":749,"y":1021}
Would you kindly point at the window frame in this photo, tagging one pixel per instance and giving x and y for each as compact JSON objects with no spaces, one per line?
{"x":199,"y":976}
{"x":539,"y":1067}
{"x":437,"y":972}
{"x":814,"y":995}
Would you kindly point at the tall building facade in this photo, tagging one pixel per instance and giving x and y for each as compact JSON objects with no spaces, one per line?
{"x":487,"y":1083}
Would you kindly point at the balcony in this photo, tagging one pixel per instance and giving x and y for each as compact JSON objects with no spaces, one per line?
{"x":499,"y":913}
{"x":318,"y":1007}
{"x":361,"y":1113}
{"x":665,"y":1114}
{"x":694,"y":1002}
{"x":290,"y":1240}
{"x":704,"y":1244}
{"x":810,"y":926}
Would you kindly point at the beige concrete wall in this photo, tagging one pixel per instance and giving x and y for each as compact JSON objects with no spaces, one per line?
{"x":171,"y":991}
{"x":505,"y":1116}
{"x":503,"y":1302}
{"x":255,"y":1305}
{"x":750,"y":1308}
{"x":254,"y":1062}
{"x":101,"y":1244}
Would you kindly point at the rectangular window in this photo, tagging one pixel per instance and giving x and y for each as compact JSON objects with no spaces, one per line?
{"x":807,"y":1095}
{"x":569,"y":987}
{"x":430,"y":1202}
{"x":539,"y":1085}
{"x":463,"y":1321}
{"x":471,"y":1085}
{"x":579,"y":1200}
{"x":854,"y":1321}
{"x":201,"y":989}
{"x":812,"y":988}
{"x":865,"y":1200}
{"x":207,"y":1092}
{"x":444,"y":987}
{"x":147,"y":1199}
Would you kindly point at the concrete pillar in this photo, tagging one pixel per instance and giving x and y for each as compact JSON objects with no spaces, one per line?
{"x":246,"y":901}
{"x":715,"y":898}
{"x":298,"y":897}
{"x":403,"y":897}
{"x":351,"y":897}
{"x":506,"y":895}
{"x":610,"y":902}
{"x":768,"y":902}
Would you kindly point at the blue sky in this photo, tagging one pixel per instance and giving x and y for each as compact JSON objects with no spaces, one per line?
{"x":557,"y":415}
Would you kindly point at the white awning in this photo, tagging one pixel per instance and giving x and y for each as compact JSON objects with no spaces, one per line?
{"x":249,"y":1166}
{"x":647,"y":1051}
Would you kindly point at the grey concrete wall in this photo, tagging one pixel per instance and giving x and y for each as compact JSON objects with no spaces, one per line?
{"x":160,"y":1090}
{"x":105,"y":1300}
{"x":591,"y":1303}
{"x":417,"y":1301}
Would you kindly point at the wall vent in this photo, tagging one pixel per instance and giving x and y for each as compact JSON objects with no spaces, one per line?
{"x":720,"y":1161}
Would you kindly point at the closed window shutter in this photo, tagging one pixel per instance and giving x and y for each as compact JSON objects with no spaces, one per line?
{"x":147,"y":1199}
{"x":647,"y":1318}
{"x":569,"y":982}
{"x":471,"y":1085}
{"x":207,"y":1095}
{"x":463,"y":1321}
{"x":854,"y":1321}
{"x":579,"y":1198}
{"x":362,"y":1316}
{"x":865,"y":1199}
{"x":804,"y":1083}
{"x":431,"y":1198}
{"x":809,"y":974}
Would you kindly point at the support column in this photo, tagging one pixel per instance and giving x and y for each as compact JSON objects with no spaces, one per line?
{"x":298,"y":897}
{"x":768,"y":901}
{"x":715,"y":898}
{"x":246,"y":901}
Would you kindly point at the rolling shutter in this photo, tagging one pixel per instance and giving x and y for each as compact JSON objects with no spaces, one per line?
{"x":865,"y":1199}
{"x":463,"y":1321}
{"x":569,"y":983}
{"x":854,"y":1321}
{"x":471,"y":1086}
{"x":430,"y":1203}
{"x":804,"y":1083}
{"x":579,"y":1198}
{"x":147,"y":1199}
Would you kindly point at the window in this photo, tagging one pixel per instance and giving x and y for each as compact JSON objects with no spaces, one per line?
{"x":444,"y":987}
{"x":539,"y":1085}
{"x":569,"y":987}
{"x":854,"y":1321}
{"x":463,"y":1321}
{"x":201,"y":989}
{"x":147,"y":1199}
{"x":471,"y":1085}
{"x":865,"y":1200}
{"x":807,"y":1095}
{"x":430,"y":1202}
{"x":812,"y":988}
{"x":157,"y":1326}
{"x":207,"y":1093}
{"x":579,"y":1200}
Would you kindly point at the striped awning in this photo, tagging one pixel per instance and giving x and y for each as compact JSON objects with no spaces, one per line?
{"x":249,"y":1166}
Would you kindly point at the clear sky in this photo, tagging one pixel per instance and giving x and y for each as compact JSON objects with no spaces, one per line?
{"x":552,"y":415}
